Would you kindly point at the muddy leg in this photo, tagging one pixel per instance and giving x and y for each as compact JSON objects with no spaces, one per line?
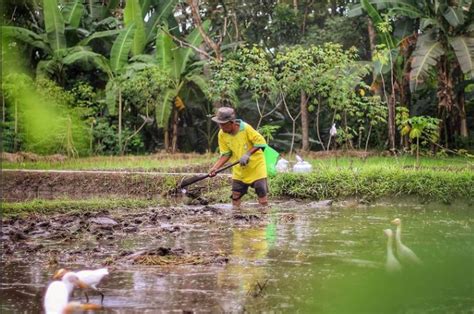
{"x":236,"y":201}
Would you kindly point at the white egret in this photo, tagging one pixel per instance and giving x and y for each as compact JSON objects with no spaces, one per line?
{"x":392,"y":264}
{"x":91,"y":278}
{"x":405,"y":254}
{"x":57,"y":294}
{"x":333,"y":130}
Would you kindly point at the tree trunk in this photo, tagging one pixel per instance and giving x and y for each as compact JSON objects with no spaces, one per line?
{"x":194,"y":5}
{"x":166,"y":139}
{"x":407,"y":47}
{"x":376,"y":86}
{"x":463,"y":131}
{"x":445,"y":95}
{"x":174,"y":141}
{"x":391,"y":123}
{"x":120,"y":121}
{"x":333,"y":7}
{"x":317,"y":123}
{"x":304,"y":122}
{"x":460,"y":124}
{"x":307,"y":8}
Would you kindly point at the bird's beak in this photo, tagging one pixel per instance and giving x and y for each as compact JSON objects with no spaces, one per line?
{"x":82,"y":285}
{"x":59,"y":274}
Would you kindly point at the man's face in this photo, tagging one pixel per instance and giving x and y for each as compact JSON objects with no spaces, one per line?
{"x":227,"y":127}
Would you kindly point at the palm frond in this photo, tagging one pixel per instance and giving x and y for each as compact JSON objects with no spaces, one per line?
{"x":164,"y":108}
{"x":133,"y":15}
{"x":454,"y":16}
{"x":101,"y":34}
{"x":72,"y":13}
{"x":95,"y":8}
{"x":200,"y":81}
{"x":54,"y":25}
{"x":91,"y":57}
{"x":26,"y":36}
{"x":425,"y":56}
{"x":464,"y":49}
{"x":121,"y":48}
{"x":164,"y":47}
{"x":165,"y":9}
{"x":376,"y":18}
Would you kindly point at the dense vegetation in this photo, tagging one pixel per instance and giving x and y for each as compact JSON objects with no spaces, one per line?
{"x":137,"y":76}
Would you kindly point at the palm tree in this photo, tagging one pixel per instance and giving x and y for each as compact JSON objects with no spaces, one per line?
{"x":175,"y":61}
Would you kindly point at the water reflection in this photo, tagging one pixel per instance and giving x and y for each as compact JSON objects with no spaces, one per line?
{"x":308,"y":260}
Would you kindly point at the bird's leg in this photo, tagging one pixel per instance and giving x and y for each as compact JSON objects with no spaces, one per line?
{"x":101,"y":297}
{"x":87,"y":297}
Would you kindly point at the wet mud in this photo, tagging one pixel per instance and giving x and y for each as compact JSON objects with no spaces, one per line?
{"x":98,"y":237}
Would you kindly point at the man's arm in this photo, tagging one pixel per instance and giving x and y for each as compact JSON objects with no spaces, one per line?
{"x":219,"y":163}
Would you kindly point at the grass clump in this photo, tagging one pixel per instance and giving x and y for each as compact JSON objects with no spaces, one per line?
{"x":42,"y":206}
{"x":372,"y":183}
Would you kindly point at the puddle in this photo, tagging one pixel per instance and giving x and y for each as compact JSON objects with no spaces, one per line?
{"x":298,"y":257}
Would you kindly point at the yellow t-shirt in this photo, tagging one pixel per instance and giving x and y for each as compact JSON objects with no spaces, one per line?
{"x":237,"y":145}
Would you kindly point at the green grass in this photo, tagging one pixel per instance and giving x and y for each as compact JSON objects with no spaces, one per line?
{"x":448,"y":163}
{"x":187,"y":162}
{"x":370,"y":183}
{"x":161,"y":163}
{"x":41,"y":206}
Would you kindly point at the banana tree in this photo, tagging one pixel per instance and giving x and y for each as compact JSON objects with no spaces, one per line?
{"x":52,"y":42}
{"x":391,"y":55}
{"x":445,"y":29}
{"x":175,"y":61}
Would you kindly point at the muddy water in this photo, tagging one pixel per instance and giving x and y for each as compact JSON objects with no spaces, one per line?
{"x":298,"y":257}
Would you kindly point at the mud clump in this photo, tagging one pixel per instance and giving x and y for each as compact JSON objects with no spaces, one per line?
{"x":174,"y":257}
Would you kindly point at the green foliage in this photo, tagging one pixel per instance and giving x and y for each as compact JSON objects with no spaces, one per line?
{"x":106,"y":140}
{"x":133,"y":16}
{"x":87,"y":101}
{"x":144,"y":88}
{"x":44,"y":116}
{"x":374,"y":183}
{"x":284,"y":29}
{"x":268,"y":131}
{"x":224,"y":81}
{"x":340,"y":30}
{"x":255,"y":72}
{"x":422,"y":129}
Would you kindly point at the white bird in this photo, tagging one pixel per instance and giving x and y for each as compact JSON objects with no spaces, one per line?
{"x":405,"y":254}
{"x":392,"y":265}
{"x":91,"y":278}
{"x":333,"y":130}
{"x":57,"y":295}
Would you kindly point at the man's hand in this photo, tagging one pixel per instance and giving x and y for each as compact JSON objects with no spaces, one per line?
{"x":212,"y":173}
{"x":244,"y":160}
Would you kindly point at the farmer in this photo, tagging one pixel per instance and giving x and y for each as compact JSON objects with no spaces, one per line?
{"x":239,"y":141}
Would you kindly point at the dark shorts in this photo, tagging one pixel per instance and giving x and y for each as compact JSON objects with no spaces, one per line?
{"x":260,"y":186}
